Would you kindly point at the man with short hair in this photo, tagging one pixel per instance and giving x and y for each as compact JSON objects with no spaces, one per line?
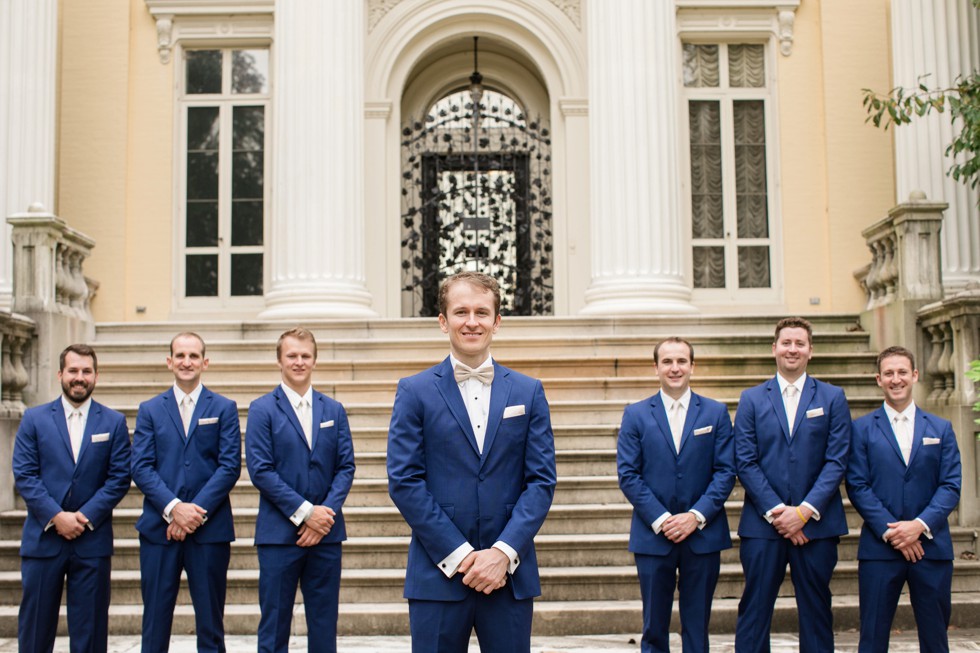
{"x":300,"y":456}
{"x":676,"y":465}
{"x":471,"y":468}
{"x":792,"y":435}
{"x":904,"y":478}
{"x":187,"y":457}
{"x":71,"y":466}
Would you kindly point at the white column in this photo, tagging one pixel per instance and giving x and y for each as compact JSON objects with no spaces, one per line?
{"x":28,"y":87}
{"x":938,"y":38}
{"x":317,"y":265}
{"x":637,"y":238}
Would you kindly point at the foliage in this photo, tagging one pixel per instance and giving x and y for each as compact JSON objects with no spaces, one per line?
{"x":974,"y":375}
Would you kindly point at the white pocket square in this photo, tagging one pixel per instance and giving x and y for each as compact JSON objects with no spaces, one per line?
{"x":514,"y":411}
{"x":926,"y":441}
{"x":100,"y":437}
{"x":207,"y":420}
{"x":704,"y":430}
{"x":814,"y":412}
{"x":327,"y":424}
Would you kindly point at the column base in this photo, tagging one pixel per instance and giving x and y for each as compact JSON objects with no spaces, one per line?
{"x":310,"y":300}
{"x":638,"y":297}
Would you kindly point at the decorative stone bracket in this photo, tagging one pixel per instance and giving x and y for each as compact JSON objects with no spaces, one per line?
{"x":208,"y":21}
{"x":734,"y":16}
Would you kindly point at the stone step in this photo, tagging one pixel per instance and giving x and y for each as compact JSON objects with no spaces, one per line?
{"x":559,"y":551}
{"x":551,"y":618}
{"x":608,"y":583}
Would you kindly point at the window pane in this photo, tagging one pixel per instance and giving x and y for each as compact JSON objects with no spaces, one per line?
{"x":246,"y":175}
{"x":246,"y":222}
{"x":753,"y":267}
{"x":203,"y":71}
{"x":202,"y":128}
{"x":706,"y":179}
{"x":250,"y":71}
{"x":746,"y":66}
{"x":709,"y":267}
{"x":700,"y":65}
{"x":750,"y":168}
{"x":202,"y":224}
{"x":248,"y":125}
{"x":246,"y":274}
{"x":202,"y":275}
{"x":202,"y":175}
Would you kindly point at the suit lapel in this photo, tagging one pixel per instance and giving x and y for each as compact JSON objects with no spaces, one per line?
{"x":499,"y":394}
{"x":200,"y":408}
{"x":448,"y":388}
{"x":61,"y":424}
{"x":918,"y":434}
{"x":692,"y":415}
{"x":172,"y":409}
{"x":91,"y":425}
{"x":776,"y":399}
{"x":282,"y":401}
{"x":888,"y":433}
{"x":318,"y":409}
{"x":659,"y":412}
{"x":809,"y":391}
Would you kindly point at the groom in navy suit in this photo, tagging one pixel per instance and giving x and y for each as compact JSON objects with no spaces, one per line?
{"x":471,"y":467}
{"x":187,"y":456}
{"x":904,"y":478}
{"x":300,"y":456}
{"x":792,"y":435}
{"x":677,"y":467}
{"x":71,"y":466}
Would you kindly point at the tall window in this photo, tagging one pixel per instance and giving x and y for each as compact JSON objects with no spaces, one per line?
{"x":224,"y":101}
{"x":727,"y":101}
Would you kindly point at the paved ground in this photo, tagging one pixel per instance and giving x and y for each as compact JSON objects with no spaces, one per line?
{"x":961,"y":641}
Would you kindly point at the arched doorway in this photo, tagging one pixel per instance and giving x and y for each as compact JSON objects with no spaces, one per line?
{"x":476,"y":195}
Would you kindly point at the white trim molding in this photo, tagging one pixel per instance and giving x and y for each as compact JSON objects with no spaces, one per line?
{"x":209,"y":21}
{"x":775,"y":18}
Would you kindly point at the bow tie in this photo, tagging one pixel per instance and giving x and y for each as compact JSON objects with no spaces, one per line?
{"x":464,"y":373}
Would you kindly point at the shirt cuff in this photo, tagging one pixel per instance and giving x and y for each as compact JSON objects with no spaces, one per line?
{"x":660,"y":522}
{"x":451,"y":562}
{"x":513,"y":560}
{"x":302,"y":513}
{"x":768,"y":514}
{"x":928,"y":532}
{"x":168,"y":511}
{"x":816,"y":513}
{"x":702,"y":522}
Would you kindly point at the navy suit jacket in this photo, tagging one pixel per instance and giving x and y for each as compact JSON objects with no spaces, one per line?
{"x":775,"y":468}
{"x":884,"y":489}
{"x":201,"y":468}
{"x":656,"y":479}
{"x":287,"y":472}
{"x":50,"y":481}
{"x":450,"y":493}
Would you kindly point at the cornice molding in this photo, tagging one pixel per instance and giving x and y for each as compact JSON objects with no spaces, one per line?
{"x":184,"y":20}
{"x":771,"y":17}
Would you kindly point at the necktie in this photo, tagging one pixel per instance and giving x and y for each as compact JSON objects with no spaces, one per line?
{"x":306,"y":421}
{"x":464,"y":373}
{"x":75,"y":432}
{"x":676,"y":419}
{"x":903,"y":436}
{"x":186,"y":412}
{"x":792,"y":400}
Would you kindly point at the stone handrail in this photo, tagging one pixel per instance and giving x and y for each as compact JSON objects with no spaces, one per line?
{"x":16,"y":337}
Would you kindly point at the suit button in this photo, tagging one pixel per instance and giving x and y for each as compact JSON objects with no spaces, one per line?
{"x":187,"y":463}
{"x":482,"y":476}
{"x":680,"y":476}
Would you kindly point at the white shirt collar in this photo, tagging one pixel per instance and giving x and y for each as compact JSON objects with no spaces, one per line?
{"x":669,"y":401}
{"x":909,"y":412}
{"x":453,"y":361}
{"x":194,"y":394}
{"x":294,"y":397}
{"x":83,"y":409}
{"x":799,"y":383}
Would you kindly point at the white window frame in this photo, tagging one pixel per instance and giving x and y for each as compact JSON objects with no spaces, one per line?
{"x":733,"y":22}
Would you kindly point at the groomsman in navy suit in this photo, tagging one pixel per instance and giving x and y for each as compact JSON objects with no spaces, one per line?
{"x":676,"y":465}
{"x":471,"y":467}
{"x":300,"y":456}
{"x":904,"y":478}
{"x":792,"y":435}
{"x":187,"y":456}
{"x":71,"y":466}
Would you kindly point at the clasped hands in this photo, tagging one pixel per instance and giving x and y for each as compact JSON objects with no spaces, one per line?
{"x":316,"y":526}
{"x":677,"y":528}
{"x":485,"y":571}
{"x":789,"y":521}
{"x":69,"y":525}
{"x":185,"y":518}
{"x":904,"y":538}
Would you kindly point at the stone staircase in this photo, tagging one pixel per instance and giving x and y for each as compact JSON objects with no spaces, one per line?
{"x":591,"y":369}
